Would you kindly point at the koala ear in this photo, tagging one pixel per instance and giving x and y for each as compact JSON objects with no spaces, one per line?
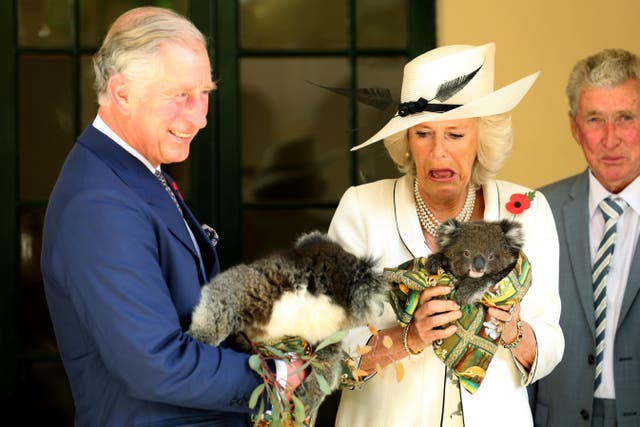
{"x":447,"y":232}
{"x":513,"y":233}
{"x":311,"y":238}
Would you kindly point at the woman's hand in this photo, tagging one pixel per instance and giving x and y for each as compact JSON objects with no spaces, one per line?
{"x":507,"y":317}
{"x":427,"y":326}
{"x":524,"y":340}
{"x":431,"y":317}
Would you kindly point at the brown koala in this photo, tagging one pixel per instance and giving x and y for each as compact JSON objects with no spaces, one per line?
{"x":477,"y":253}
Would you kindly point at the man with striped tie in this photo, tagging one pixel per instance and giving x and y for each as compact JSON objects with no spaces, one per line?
{"x":596,"y":212}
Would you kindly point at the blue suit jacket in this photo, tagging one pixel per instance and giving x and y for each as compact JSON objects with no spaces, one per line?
{"x":564,"y":397}
{"x":121,"y":277}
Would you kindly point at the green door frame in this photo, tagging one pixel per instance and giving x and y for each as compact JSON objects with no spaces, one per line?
{"x":9,"y":236}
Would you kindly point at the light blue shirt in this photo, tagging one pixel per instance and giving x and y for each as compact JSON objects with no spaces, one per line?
{"x":627,"y":229}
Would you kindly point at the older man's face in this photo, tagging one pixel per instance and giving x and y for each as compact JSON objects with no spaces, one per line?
{"x":607,"y":127}
{"x":167,"y":112}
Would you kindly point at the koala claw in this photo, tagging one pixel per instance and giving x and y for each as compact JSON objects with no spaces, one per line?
{"x":310,"y":392}
{"x":469,"y":291}
{"x":433,"y":263}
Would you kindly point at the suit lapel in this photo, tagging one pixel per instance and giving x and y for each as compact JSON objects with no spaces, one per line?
{"x":407,"y":222}
{"x":575,"y":220}
{"x":156,"y":196}
{"x":140,"y":180}
{"x":632,"y":288}
{"x":207,"y":251}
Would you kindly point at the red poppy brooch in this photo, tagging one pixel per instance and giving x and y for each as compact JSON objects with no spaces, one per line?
{"x":177,"y":190}
{"x":519,"y":202}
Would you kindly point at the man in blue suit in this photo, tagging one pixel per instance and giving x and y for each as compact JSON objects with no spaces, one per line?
{"x":123,"y":257}
{"x":598,"y":381}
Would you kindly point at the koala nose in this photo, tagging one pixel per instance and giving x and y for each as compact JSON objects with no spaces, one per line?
{"x":478,"y":263}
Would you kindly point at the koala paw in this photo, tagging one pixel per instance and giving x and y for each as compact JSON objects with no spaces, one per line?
{"x":469,"y":291}
{"x":310,"y":392}
{"x":433,"y":263}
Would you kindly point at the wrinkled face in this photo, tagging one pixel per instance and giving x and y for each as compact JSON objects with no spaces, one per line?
{"x":607,"y":127}
{"x":444,"y":153}
{"x":167,"y":112}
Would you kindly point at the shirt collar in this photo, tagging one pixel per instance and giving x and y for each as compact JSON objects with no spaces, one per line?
{"x":99,"y":124}
{"x":597,"y":193}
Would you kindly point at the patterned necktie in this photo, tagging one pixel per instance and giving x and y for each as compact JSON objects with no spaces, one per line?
{"x":611,"y":209}
{"x":163,"y":181}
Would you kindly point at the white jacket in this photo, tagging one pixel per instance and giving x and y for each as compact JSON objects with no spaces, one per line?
{"x":379,"y":220}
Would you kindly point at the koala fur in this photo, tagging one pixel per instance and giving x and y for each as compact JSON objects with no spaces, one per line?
{"x":312,"y":291}
{"x":477,"y":253}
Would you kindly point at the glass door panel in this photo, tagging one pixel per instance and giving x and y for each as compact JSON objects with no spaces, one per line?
{"x":294,"y":136}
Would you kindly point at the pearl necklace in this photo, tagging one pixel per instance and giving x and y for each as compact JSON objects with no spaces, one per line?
{"x":429,"y":221}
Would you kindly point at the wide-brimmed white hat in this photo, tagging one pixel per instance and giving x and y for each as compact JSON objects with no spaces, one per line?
{"x":449,"y":83}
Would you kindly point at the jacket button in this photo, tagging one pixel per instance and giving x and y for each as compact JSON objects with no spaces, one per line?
{"x":591,"y":359}
{"x":584,"y":414}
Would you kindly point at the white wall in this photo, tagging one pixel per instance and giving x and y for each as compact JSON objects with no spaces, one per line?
{"x":545,"y":35}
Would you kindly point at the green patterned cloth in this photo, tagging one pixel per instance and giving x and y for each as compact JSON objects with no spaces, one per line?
{"x":470,"y":350}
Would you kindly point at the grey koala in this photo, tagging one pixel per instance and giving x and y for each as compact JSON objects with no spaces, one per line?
{"x":477,"y":253}
{"x":312,"y":291}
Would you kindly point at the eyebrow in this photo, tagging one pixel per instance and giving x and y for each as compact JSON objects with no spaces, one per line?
{"x":616,"y":112}
{"x":459,"y":127}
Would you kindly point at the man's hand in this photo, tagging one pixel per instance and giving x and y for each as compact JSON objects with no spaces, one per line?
{"x":289,"y":373}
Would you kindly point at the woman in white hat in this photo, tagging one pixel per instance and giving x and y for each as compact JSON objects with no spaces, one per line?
{"x":451,"y":135}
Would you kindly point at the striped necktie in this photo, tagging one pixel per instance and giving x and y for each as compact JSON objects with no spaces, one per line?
{"x":611,"y":209}
{"x":164,"y":183}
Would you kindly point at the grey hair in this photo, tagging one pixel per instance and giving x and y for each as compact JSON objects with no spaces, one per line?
{"x":133,"y":41}
{"x":605,"y":69}
{"x":495,"y":140}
